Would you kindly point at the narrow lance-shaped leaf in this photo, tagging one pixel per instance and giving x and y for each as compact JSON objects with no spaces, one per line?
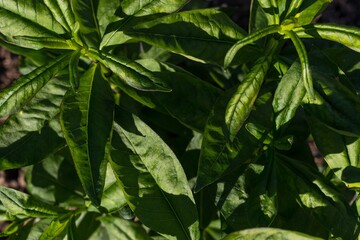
{"x":85,"y":12}
{"x":348,"y":36}
{"x":288,"y":95}
{"x":268,"y":233}
{"x":73,"y":70}
{"x":194,"y":34}
{"x":153,"y":180}
{"x":241,"y":103}
{"x":33,"y":125}
{"x":309,"y":10}
{"x":270,"y":7}
{"x":61,"y":10}
{"x":132,"y":73}
{"x":293,"y":7}
{"x":86,"y":120}
{"x":23,"y":89}
{"x":230,"y":55}
{"x":305,"y":66}
{"x":22,"y":204}
{"x":57,"y":228}
{"x":132,"y":11}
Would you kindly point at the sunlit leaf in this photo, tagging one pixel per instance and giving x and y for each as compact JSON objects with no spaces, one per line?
{"x":86,"y":119}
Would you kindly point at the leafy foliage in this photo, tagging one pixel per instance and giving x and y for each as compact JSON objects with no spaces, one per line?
{"x":143,"y":120}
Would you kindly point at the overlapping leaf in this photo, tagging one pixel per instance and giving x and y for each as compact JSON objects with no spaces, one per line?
{"x":62,"y":12}
{"x":22,"y":204}
{"x":86,"y":119}
{"x":132,"y":12}
{"x":194,"y":34}
{"x":23,"y":89}
{"x":153,"y":180}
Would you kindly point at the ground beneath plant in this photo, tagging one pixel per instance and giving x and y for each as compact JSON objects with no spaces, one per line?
{"x":341,"y":11}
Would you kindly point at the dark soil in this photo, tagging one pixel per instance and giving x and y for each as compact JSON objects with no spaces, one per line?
{"x":340,"y":11}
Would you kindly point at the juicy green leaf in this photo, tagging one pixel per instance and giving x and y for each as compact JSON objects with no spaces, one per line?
{"x":106,"y":13}
{"x":131,"y":73}
{"x":305,"y":68}
{"x":23,"y":232}
{"x":309,"y":10}
{"x":194,"y":34}
{"x":133,"y":10}
{"x":241,"y":103}
{"x":288,"y":96}
{"x":86,"y":120}
{"x":118,"y":228}
{"x":230,"y":55}
{"x":35,"y":13}
{"x":154,"y":183}
{"x":61,"y":10}
{"x":57,"y":228}
{"x":268,"y":233}
{"x":192,"y":110}
{"x":293,"y":7}
{"x":22,"y":90}
{"x":271,"y":10}
{"x":85,"y":12}
{"x":22,"y":204}
{"x":348,"y":36}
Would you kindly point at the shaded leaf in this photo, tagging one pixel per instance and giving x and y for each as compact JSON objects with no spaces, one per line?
{"x":133,"y":11}
{"x":153,"y":180}
{"x":57,"y":228}
{"x":86,"y":120}
{"x":22,"y":204}
{"x":118,"y":228}
{"x":309,"y":10}
{"x":194,"y":34}
{"x":85,"y":12}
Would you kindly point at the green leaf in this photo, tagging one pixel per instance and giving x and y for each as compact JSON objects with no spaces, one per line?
{"x":73,"y":70}
{"x":31,"y":13}
{"x":194,"y":34}
{"x":61,"y":10}
{"x":22,"y":204}
{"x":24,"y":232}
{"x":133,"y":12}
{"x":192,"y":110}
{"x":271,"y":10}
{"x":268,"y":233}
{"x":130,"y":72}
{"x":335,"y":105}
{"x":57,"y":228}
{"x":288,"y":96}
{"x":341,"y":153}
{"x":241,"y":103}
{"x":305,"y":67}
{"x":293,"y":7}
{"x":218,"y":155}
{"x":346,"y":35}
{"x":35,"y":124}
{"x":23,"y":89}
{"x":86,"y":120}
{"x":309,"y":10}
{"x":118,"y":228}
{"x":85,"y":12}
{"x":55,"y":181}
{"x":153,"y":180}
{"x":230,"y":55}
{"x":106,"y":13}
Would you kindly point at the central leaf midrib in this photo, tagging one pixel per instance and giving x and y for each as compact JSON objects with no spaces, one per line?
{"x":162,"y":192}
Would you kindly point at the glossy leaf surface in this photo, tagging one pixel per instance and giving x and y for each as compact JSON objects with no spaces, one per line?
{"x":22,"y":204}
{"x":194,"y":34}
{"x":155,"y":185}
{"x":86,"y":120}
{"x":62,"y":12}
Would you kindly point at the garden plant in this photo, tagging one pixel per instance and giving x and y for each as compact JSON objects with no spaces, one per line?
{"x":161,"y":119}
